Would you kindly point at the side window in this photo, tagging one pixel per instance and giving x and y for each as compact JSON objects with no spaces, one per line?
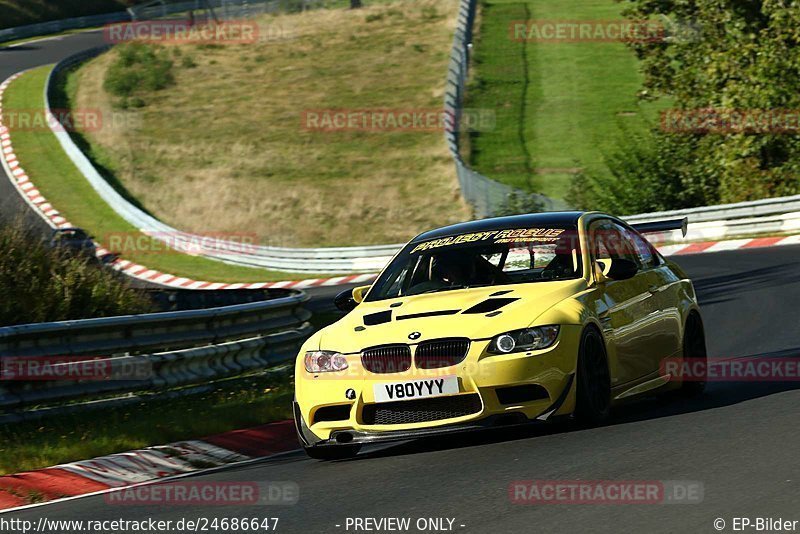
{"x":612,"y":241}
{"x":644,"y":250}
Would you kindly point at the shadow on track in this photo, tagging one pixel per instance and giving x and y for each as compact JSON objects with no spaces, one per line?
{"x":18,"y":48}
{"x":722,"y":288}
{"x":717,"y":395}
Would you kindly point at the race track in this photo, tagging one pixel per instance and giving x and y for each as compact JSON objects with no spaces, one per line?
{"x":739,"y":440}
{"x":25,"y":56}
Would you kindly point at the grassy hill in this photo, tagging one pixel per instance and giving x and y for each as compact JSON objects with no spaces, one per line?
{"x":559,"y":105}
{"x":21,"y":12}
{"x":224,"y":148}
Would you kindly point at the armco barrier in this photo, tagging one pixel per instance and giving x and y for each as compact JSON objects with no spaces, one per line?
{"x":487,"y":197}
{"x":319,"y":260}
{"x":740,"y":210}
{"x":718,"y":222}
{"x":133,"y":334}
{"x":223,"y":9}
{"x":175,"y":349}
{"x":58,"y":26}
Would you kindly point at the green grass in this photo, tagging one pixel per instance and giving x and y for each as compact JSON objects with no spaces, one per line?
{"x":42,"y":284}
{"x":241,"y":404}
{"x":66,"y":189}
{"x":559,"y":105}
{"x":228,"y":136}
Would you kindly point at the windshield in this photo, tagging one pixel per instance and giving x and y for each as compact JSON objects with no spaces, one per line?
{"x":496,"y":257}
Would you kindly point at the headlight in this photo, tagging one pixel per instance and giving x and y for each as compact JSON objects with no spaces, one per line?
{"x":536,"y":338}
{"x":324,"y":361}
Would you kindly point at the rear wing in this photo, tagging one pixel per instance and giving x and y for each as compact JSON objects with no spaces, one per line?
{"x":663,"y":226}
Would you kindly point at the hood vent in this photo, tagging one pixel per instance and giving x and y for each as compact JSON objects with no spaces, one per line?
{"x":490,"y":305}
{"x":378,"y":318}
{"x":426,"y":314}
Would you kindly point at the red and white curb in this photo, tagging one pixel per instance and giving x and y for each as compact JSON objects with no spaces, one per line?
{"x":34,"y":198}
{"x":55,"y":219}
{"x":108,"y":473}
{"x":728,"y":244}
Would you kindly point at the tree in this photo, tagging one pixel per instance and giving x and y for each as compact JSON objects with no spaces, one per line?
{"x":741,"y":61}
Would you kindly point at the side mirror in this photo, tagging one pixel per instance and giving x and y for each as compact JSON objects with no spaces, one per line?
{"x":348,"y":299}
{"x":344,"y":301}
{"x":621,"y":269}
{"x":359,"y":293}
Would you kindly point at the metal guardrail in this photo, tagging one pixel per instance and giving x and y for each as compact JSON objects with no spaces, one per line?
{"x":485,"y":194}
{"x":149,"y":353}
{"x":739,"y":210}
{"x":224,"y":9}
{"x":488,"y":197}
{"x":134,"y":334}
{"x":58,"y":26}
{"x":316,"y":260}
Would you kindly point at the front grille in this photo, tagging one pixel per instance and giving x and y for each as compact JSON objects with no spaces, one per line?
{"x":441,"y":352}
{"x":421,"y":410}
{"x":387,"y":359}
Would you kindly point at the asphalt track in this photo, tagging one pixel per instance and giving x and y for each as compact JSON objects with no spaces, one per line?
{"x":739,"y":439}
{"x":25,"y":56}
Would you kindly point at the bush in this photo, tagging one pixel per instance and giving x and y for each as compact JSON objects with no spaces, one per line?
{"x":518,"y":203}
{"x":651,"y":171}
{"x":41,"y":284}
{"x":138,"y":67}
{"x":729,"y":55}
{"x":188,"y":62}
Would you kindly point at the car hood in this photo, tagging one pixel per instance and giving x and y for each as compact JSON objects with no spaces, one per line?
{"x":475,"y":313}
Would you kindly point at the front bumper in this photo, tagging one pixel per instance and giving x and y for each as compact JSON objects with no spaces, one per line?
{"x":355,"y":437}
{"x":480,"y":374}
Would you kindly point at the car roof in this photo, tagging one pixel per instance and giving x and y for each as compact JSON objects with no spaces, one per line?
{"x":529,"y":220}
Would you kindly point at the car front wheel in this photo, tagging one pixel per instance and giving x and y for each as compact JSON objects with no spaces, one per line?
{"x":593,"y":390}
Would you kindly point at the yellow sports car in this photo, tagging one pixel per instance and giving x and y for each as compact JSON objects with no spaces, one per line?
{"x":499,"y":321}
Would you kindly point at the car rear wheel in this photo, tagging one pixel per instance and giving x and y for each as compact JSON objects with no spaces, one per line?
{"x":694,"y":356}
{"x":593,"y":401}
{"x":332,"y":452}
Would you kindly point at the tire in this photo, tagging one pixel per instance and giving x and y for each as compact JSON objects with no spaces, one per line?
{"x":593,"y":390}
{"x":694,"y":351}
{"x":332,"y":452}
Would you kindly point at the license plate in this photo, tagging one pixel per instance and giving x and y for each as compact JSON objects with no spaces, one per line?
{"x":416,"y":389}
